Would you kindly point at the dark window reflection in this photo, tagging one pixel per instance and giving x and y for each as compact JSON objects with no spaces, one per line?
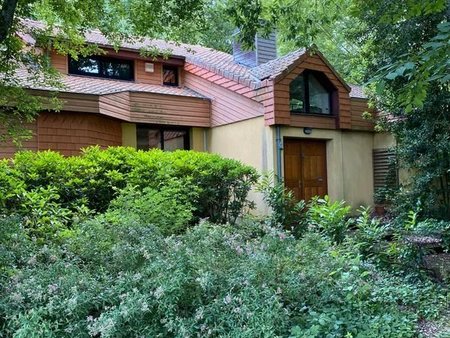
{"x":101,"y":66}
{"x":165,"y":138}
{"x":170,"y":75}
{"x":311,"y":92}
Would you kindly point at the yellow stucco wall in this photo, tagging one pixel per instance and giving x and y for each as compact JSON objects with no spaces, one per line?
{"x":383,"y":140}
{"x":358,"y":168}
{"x":245,"y":141}
{"x":349,"y":163}
{"x":248,"y":141}
{"x":129,"y":135}
{"x":198,"y":139}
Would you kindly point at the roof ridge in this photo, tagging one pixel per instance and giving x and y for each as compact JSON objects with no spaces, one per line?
{"x":219,"y":62}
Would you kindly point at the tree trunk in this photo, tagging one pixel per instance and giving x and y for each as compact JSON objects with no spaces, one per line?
{"x":6,"y":17}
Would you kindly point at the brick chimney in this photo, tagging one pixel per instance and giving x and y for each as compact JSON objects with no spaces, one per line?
{"x":265,"y":49}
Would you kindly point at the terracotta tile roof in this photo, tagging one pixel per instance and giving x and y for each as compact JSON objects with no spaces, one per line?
{"x":215,"y":61}
{"x":97,"y":86}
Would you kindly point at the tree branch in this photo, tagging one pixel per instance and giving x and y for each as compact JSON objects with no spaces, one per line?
{"x":6,"y":17}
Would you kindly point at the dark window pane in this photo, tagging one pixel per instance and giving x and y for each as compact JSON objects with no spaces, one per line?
{"x":118,"y":70}
{"x":297,"y":95}
{"x":170,"y":76}
{"x":166,"y":138}
{"x":310,"y":93}
{"x":174,"y":139}
{"x":102,"y":67}
{"x":148,"y":138}
{"x":85,"y":66}
{"x":319,"y":97}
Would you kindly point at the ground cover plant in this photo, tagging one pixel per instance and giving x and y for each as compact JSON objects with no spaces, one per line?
{"x":122,"y":278}
{"x":133,"y":260}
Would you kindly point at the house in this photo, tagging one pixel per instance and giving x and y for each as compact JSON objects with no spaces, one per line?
{"x":293,"y":114}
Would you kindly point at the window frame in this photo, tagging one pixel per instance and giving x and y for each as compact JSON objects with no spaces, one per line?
{"x":321,"y":78}
{"x":177,"y":75}
{"x":101,"y":60}
{"x":162,"y":129}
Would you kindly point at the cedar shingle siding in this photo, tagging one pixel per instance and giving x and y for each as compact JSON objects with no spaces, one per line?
{"x":68,"y":132}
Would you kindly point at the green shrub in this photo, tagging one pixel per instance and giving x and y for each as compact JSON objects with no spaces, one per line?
{"x":11,"y":186}
{"x":97,"y":176}
{"x":285,"y":209}
{"x":329,"y":218}
{"x":170,"y":208}
{"x":250,"y":280}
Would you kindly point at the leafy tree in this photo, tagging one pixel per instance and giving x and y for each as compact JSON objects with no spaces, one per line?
{"x":409,"y":48}
{"x":325,"y":24}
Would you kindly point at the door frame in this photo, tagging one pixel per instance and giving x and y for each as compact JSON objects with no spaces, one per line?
{"x":300,"y":139}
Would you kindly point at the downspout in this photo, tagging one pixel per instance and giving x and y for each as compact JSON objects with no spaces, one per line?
{"x":279,"y":145}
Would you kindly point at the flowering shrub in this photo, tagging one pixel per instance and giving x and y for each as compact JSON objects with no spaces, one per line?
{"x":119,"y":277}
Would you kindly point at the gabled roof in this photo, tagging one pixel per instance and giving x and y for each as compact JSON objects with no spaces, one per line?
{"x":274,"y":67}
{"x":212,"y":60}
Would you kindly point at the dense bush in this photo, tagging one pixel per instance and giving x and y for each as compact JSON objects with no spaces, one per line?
{"x":96,"y":177}
{"x":169,"y":208}
{"x":122,"y":278}
{"x":331,"y":218}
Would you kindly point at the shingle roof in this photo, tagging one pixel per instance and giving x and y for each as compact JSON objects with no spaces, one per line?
{"x":213,"y":60}
{"x":97,"y":86}
{"x":275,"y":67}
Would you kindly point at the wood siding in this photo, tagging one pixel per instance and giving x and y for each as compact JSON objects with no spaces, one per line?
{"x":59,"y":62}
{"x":265,"y":48}
{"x":313,"y":121}
{"x":7,"y":149}
{"x":358,"y":107}
{"x":116,"y":105}
{"x":169,"y":109}
{"x":68,"y":132}
{"x":282,"y":114}
{"x":227,"y":105}
{"x":141,"y":76}
{"x":141,"y":107}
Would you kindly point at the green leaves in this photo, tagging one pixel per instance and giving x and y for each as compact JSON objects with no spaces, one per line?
{"x":120,"y":277}
{"x":216,"y":188}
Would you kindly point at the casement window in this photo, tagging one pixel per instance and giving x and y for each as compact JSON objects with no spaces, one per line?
{"x":311,"y":93}
{"x":170,"y":75}
{"x":165,"y":138}
{"x":101,"y":66}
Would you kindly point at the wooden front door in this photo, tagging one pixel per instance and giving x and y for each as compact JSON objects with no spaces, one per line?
{"x":305,"y":167}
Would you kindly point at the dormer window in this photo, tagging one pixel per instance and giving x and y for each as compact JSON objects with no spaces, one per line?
{"x":170,"y":75}
{"x":101,"y":66}
{"x":311,"y":93}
